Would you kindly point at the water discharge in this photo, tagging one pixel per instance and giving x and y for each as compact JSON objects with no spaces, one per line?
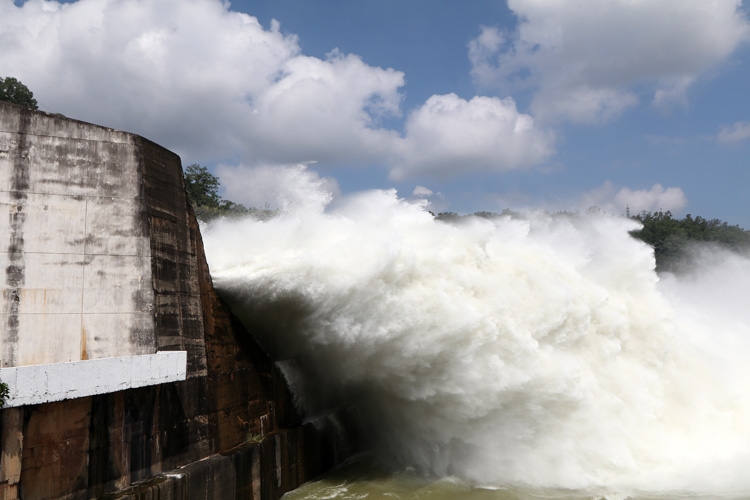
{"x":540,"y":351}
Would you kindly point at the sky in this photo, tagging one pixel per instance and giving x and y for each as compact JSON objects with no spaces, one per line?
{"x":462,"y":106}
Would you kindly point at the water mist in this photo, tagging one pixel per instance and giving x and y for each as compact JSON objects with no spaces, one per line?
{"x":540,"y":351}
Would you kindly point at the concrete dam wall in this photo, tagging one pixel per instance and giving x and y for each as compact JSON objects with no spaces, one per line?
{"x":128,"y":376}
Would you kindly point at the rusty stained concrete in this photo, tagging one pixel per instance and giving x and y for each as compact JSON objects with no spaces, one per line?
{"x":73,"y":242}
{"x":103,"y":257}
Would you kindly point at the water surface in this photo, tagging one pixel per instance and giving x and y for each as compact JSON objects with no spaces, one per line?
{"x":362,"y":479}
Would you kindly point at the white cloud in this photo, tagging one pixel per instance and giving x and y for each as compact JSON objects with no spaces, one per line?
{"x":327,"y":111}
{"x":583,"y":104}
{"x":672,"y":94}
{"x":482,"y":51}
{"x":421,"y":191}
{"x":428,"y":199}
{"x":449,"y":135}
{"x":582,"y":58}
{"x":616,"y":201}
{"x":213,"y":84}
{"x":657,"y":198}
{"x":200,"y":79}
{"x":289,"y":187}
{"x":738,"y":132}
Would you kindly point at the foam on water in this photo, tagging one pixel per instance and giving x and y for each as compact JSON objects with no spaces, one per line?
{"x":541,"y":351}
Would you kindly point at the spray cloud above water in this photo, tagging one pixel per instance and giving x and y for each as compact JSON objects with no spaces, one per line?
{"x":539,"y":350}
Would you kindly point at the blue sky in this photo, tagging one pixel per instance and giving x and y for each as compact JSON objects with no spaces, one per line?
{"x":469,"y":106}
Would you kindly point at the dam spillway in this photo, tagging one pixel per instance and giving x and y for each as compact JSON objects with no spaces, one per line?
{"x":128,"y":377}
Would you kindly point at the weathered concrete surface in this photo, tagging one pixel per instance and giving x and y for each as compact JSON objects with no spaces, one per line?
{"x":174,"y":255}
{"x":266,"y":469}
{"x":118,"y":270}
{"x":74,"y":242}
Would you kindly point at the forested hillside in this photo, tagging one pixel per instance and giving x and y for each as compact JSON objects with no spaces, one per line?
{"x":672,"y":238}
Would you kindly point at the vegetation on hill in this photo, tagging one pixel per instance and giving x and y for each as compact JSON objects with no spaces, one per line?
{"x":11,"y":90}
{"x":203,"y":192}
{"x":672,"y":238}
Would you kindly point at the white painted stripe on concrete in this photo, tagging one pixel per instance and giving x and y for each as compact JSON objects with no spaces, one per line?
{"x":36,"y":384}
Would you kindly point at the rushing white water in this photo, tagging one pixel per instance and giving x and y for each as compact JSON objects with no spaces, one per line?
{"x":542,"y":351}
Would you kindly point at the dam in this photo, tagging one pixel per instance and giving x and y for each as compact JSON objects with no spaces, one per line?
{"x":127,"y":375}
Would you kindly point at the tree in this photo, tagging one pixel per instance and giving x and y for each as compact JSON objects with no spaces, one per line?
{"x":203,"y":192}
{"x":11,"y":90}
{"x":202,"y":186}
{"x":671,"y":238}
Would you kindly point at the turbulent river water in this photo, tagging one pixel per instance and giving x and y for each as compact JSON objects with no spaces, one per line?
{"x":528,"y":357}
{"x":364,"y":479}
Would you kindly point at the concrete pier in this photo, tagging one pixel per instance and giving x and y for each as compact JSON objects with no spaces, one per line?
{"x":128,"y":376}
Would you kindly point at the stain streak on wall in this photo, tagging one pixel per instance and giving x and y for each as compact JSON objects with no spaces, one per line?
{"x":229,"y":430}
{"x":15,"y":271}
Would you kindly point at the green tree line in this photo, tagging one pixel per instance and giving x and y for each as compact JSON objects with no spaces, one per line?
{"x":671,"y":237}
